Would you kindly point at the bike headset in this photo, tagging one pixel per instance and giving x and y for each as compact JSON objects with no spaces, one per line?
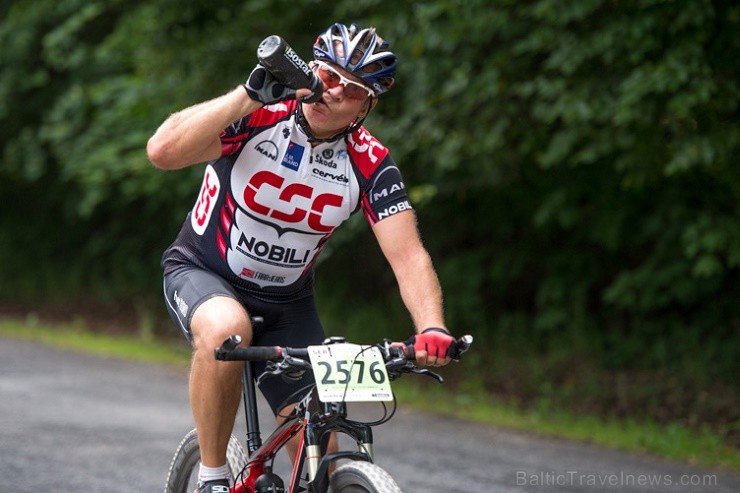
{"x":360,"y":52}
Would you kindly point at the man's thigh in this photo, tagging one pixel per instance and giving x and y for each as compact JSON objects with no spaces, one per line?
{"x":188,"y":289}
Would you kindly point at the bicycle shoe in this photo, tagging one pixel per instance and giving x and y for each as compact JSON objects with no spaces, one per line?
{"x":215,"y":486}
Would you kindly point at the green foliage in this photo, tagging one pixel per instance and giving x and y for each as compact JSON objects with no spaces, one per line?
{"x":83,"y":85}
{"x":582,"y":154}
{"x":573,"y":164}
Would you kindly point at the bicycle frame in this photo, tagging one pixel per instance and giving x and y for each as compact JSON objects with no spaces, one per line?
{"x":312,"y":433}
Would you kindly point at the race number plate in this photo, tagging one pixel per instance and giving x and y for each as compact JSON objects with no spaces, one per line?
{"x":350,"y":372}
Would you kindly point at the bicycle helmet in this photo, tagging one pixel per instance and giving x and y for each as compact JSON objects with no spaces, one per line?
{"x":359,"y":51}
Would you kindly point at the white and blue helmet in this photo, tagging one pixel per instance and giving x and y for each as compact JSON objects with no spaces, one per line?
{"x":359,"y":51}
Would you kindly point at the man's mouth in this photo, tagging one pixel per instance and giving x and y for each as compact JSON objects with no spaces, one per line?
{"x":321,"y":103}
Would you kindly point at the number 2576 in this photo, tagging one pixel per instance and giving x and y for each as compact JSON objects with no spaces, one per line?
{"x":340,"y":372}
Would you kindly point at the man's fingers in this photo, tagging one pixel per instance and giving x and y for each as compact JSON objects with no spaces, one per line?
{"x":421,"y":357}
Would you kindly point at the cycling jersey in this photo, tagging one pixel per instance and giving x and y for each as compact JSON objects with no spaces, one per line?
{"x":266,"y":207}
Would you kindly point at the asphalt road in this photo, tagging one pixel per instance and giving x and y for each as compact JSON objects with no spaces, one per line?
{"x":71,"y":422}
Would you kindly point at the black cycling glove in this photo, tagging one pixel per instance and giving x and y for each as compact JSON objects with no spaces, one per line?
{"x":262,"y":86}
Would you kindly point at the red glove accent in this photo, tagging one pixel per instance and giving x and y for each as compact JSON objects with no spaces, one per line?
{"x":435,"y":341}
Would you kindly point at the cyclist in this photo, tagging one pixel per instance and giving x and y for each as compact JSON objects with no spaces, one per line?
{"x":282,"y":174}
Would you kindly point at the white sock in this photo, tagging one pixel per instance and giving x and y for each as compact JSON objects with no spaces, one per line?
{"x":212,"y":473}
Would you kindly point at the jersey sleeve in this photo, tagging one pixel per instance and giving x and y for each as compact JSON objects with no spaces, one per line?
{"x":383,"y":192}
{"x":386,"y":193}
{"x":234,"y":136}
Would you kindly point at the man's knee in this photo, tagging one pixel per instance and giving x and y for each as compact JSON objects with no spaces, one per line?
{"x":218,"y":318}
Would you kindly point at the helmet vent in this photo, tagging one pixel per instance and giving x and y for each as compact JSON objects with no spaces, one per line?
{"x":359,"y":51}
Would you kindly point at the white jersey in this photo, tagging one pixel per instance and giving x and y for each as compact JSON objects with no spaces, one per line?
{"x":268,"y":205}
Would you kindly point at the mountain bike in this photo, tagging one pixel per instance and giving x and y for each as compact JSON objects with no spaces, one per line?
{"x":343,"y":372}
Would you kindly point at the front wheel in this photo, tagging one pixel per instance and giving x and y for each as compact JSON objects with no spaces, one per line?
{"x":362,"y":477}
{"x":183,"y":473}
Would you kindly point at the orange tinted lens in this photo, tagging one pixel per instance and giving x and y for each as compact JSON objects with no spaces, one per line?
{"x":332,"y":79}
{"x":329,"y":78}
{"x":354,"y":91}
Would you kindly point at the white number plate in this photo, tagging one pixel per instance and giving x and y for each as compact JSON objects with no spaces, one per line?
{"x":350,"y":372}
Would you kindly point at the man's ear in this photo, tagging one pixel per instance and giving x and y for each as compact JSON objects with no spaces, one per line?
{"x":371,"y":102}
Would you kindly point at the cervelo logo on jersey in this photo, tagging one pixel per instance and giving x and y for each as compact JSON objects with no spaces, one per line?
{"x":291,"y":195}
{"x":331,"y":177}
{"x":206,"y":201}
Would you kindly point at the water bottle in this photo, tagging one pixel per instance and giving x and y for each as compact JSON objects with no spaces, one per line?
{"x":288,"y":68}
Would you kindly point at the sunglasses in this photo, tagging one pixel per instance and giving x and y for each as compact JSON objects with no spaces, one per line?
{"x":331,"y":79}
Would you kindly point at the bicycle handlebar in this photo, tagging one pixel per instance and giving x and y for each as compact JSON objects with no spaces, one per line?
{"x":399,"y":358}
{"x":400,"y":353}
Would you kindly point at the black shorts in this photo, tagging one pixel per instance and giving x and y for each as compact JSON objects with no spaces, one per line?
{"x":294,"y":324}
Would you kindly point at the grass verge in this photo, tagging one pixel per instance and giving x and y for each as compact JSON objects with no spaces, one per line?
{"x":672,"y":442}
{"x":77,"y":337}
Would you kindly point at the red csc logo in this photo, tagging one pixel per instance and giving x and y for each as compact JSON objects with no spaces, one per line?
{"x":206,"y":201}
{"x":291,"y":192}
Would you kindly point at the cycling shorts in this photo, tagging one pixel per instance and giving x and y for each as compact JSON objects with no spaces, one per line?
{"x":293,"y":324}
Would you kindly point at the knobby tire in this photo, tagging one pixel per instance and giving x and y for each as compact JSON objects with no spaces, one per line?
{"x":183,"y":474}
{"x":362,"y":477}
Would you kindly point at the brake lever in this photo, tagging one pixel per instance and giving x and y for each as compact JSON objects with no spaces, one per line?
{"x":283,"y":367}
{"x":428,"y":373}
{"x":296,"y":363}
{"x":410,"y":367}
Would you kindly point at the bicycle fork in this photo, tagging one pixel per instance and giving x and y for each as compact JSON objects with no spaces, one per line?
{"x":316,"y":426}
{"x":316,"y":459}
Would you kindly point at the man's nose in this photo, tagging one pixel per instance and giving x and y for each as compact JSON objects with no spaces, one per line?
{"x":336,"y":91}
